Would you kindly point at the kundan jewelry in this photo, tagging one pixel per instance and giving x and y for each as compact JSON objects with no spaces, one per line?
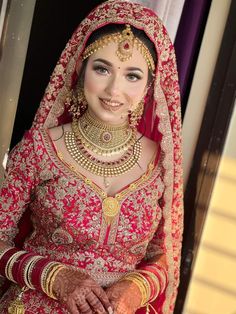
{"x":103,"y":139}
{"x":99,"y":167}
{"x":126,"y":42}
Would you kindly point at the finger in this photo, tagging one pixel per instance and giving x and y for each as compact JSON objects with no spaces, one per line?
{"x":72,"y":307}
{"x":84,"y":308}
{"x":95,"y":303}
{"x":101,"y":294}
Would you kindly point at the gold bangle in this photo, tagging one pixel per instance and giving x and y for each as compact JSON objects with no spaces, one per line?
{"x":141,"y":288}
{"x":53,"y":277}
{"x":163,"y":275}
{"x":44,"y":275}
{"x":147,"y":284}
{"x":142,"y":284}
{"x":155,"y":281}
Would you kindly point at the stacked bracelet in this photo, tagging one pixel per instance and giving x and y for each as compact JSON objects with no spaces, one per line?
{"x":151,"y":280}
{"x":142,"y":284}
{"x":159,"y":272}
{"x":29,"y":271}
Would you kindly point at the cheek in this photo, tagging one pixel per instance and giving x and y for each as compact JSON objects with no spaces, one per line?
{"x":90,"y":83}
{"x":136,"y":92}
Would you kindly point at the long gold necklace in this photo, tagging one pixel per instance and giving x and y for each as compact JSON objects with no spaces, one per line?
{"x":99,"y":167}
{"x":103,"y":139}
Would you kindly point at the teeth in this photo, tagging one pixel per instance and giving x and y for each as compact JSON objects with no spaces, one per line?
{"x":112,"y":104}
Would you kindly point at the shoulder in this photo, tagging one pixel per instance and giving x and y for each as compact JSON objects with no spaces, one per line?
{"x":149,"y":150}
{"x":57,"y":132}
{"x":149,"y":147}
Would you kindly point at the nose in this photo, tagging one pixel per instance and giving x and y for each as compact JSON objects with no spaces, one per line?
{"x":113,"y":86}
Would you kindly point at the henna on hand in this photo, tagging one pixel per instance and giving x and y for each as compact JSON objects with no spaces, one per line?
{"x":80,"y":293}
{"x":125,"y":297}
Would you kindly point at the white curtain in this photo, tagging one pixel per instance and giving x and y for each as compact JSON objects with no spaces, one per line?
{"x":168,"y":10}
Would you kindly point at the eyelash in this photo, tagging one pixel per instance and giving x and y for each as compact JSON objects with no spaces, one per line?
{"x":103,"y":71}
{"x":100,"y":69}
{"x":134,"y":75}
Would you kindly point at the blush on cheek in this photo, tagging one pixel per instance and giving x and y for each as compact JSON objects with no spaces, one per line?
{"x":136,"y":94}
{"x":90,"y":83}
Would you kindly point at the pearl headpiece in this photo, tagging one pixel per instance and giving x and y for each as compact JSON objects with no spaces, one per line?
{"x":126,"y":42}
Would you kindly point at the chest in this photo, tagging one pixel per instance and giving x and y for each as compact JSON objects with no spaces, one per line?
{"x":86,"y":213}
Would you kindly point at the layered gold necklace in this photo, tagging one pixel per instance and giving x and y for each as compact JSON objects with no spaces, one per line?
{"x":102,"y":139}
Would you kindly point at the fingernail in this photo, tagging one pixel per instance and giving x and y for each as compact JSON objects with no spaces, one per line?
{"x":110,"y":310}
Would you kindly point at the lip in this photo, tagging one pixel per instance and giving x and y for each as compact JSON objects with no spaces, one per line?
{"x":110,"y":105}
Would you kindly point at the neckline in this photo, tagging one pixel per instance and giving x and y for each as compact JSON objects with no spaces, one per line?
{"x":152,"y":168}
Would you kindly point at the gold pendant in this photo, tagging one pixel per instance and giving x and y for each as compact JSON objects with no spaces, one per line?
{"x":110,"y":208}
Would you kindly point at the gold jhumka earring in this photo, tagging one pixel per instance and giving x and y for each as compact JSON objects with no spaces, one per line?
{"x":136,"y":115}
{"x":77,"y":103}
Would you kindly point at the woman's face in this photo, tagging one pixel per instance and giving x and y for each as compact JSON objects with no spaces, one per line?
{"x":113,"y":87}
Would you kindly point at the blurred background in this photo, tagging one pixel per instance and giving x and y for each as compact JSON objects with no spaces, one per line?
{"x":32,"y":36}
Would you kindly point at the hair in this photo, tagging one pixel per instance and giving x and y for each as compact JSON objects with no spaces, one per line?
{"x":115,"y":28}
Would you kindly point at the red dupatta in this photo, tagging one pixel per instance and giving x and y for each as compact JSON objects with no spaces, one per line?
{"x":164,"y":120}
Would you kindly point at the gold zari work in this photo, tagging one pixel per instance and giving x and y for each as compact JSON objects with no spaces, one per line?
{"x":110,"y":208}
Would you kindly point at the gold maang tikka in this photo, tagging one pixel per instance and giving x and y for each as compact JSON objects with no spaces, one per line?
{"x":126,"y":42}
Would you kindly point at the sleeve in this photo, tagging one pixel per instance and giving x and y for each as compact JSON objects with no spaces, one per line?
{"x":156,"y":246}
{"x":18,"y":186}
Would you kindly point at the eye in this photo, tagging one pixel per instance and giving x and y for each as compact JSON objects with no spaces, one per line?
{"x":100,"y":69}
{"x":133,"y":77}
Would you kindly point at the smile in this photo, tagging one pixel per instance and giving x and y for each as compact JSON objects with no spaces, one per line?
{"x":110,"y":105}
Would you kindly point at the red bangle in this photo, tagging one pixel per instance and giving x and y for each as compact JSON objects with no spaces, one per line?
{"x":152,"y":285}
{"x":4,"y":259}
{"x":159,"y":272}
{"x":19,"y":275}
{"x":37,"y":272}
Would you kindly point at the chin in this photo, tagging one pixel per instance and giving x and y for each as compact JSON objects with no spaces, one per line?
{"x":108,"y":116}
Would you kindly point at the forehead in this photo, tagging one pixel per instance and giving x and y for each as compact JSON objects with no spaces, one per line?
{"x":109,"y":53}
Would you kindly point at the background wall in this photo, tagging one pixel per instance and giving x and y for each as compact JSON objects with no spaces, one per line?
{"x":213,"y":286}
{"x":15,"y":42}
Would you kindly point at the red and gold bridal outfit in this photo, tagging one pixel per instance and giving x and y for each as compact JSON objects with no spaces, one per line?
{"x":67,"y":215}
{"x":67,"y":208}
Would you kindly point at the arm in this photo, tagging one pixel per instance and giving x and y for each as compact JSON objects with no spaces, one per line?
{"x":56,"y":280}
{"x":131,"y":292}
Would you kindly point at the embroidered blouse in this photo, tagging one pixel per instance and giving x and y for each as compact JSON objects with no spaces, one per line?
{"x":67,"y":217}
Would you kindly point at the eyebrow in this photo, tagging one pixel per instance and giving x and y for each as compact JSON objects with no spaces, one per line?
{"x":110,"y":64}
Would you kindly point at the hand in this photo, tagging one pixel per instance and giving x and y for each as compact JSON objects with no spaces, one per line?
{"x":125,"y":297}
{"x":80,"y":293}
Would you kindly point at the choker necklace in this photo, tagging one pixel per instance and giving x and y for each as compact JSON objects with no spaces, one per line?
{"x":103,"y":139}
